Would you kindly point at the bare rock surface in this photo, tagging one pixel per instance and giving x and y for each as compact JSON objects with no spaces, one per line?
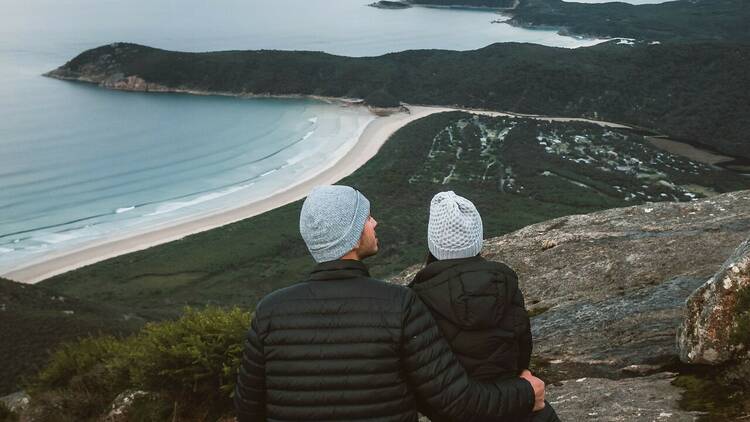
{"x":645,"y":399}
{"x":16,"y":402}
{"x":612,"y":335}
{"x":642,"y":399}
{"x":712,"y":314}
{"x":122,"y":404}
{"x":600,"y":255}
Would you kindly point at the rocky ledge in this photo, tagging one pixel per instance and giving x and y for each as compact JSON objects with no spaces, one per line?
{"x":608,"y":290}
{"x":106,"y":69}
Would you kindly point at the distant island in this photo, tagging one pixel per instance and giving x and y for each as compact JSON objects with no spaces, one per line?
{"x":494,"y":4}
{"x":681,"y":20}
{"x":385,"y":4}
{"x":695,"y":92}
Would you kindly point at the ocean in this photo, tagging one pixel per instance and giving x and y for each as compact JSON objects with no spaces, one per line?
{"x":80,"y":164}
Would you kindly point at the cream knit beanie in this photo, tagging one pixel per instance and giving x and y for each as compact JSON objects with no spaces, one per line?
{"x":455,"y":227}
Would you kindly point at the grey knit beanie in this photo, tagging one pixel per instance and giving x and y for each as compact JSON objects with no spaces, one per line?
{"x":455,"y":227}
{"x":332,"y":220}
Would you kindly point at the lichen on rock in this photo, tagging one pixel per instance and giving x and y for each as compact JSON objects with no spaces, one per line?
{"x":717,"y":316}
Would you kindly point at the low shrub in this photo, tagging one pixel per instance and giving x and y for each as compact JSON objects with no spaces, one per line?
{"x":190,"y":364}
{"x":7,"y":415}
{"x":85,"y":365}
{"x":741,"y":332}
{"x":193,"y":359}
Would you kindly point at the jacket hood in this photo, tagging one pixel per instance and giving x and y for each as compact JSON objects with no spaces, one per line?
{"x":471,"y":293}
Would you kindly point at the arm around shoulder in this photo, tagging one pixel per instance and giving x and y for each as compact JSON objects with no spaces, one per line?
{"x":442,"y":383}
{"x":250,"y":392}
{"x":525,"y":343}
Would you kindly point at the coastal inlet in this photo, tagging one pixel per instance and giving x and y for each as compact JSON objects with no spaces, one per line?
{"x":88,"y":185}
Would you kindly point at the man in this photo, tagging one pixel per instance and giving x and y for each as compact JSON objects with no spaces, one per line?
{"x":342,"y":346}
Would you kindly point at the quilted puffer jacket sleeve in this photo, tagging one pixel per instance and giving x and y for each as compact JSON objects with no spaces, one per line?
{"x":440,"y":381}
{"x":250,"y":392}
{"x":525,"y":343}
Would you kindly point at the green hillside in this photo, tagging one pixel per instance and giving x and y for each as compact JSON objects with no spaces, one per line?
{"x":683,"y":20}
{"x":34,"y":320}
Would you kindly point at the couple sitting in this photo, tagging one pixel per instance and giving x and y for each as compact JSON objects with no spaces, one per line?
{"x":455,"y":345}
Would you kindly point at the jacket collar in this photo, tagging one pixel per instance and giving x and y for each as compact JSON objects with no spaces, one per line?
{"x":438,"y":267}
{"x":339,"y":269}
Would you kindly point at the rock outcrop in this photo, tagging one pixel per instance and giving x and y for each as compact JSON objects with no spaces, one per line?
{"x":106,"y":70}
{"x":713,"y":331}
{"x":642,"y":399}
{"x":608,"y":290}
{"x":16,"y":402}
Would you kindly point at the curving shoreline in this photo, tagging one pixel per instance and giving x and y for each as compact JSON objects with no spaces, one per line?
{"x":372,"y":138}
{"x":374,"y":135}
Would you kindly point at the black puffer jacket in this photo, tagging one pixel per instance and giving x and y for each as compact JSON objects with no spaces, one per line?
{"x":342,"y":346}
{"x":481,"y":312}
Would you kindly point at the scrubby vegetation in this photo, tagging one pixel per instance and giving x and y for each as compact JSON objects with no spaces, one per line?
{"x":381,"y":99}
{"x":670,"y":21}
{"x":614,"y":164}
{"x":6,"y":415}
{"x":705,"y":392}
{"x":37,"y":319}
{"x":169,"y":369}
{"x":697,"y":92}
{"x":686,"y":20}
{"x":741,"y":332}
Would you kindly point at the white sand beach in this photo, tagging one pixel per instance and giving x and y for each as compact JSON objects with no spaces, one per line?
{"x":373,"y":137}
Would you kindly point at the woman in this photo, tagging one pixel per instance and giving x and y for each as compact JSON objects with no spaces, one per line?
{"x":477,"y":303}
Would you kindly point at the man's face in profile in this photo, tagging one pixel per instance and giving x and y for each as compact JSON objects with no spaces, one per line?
{"x":368,"y":242}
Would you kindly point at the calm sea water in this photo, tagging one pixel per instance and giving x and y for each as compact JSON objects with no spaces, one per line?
{"x":78,"y":163}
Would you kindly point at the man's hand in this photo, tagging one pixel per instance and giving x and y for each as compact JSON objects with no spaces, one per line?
{"x":538,"y":386}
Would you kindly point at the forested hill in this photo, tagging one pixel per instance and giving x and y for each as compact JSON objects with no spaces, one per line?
{"x":467,"y":3}
{"x":681,"y":20}
{"x":674,"y":20}
{"x":697,"y":92}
